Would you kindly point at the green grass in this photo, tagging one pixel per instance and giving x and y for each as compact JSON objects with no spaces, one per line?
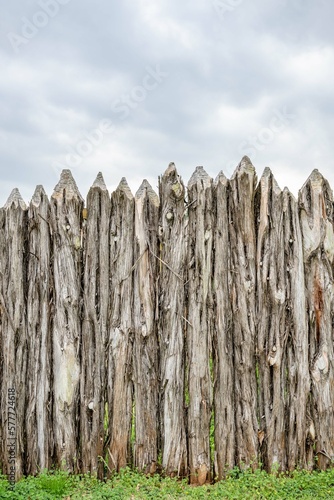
{"x":132,"y":485}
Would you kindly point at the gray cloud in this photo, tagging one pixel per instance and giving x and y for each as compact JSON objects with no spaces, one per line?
{"x":228,"y":77}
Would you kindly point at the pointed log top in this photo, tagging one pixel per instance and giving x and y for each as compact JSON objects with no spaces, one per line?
{"x":124,"y":187}
{"x":99,"y":182}
{"x":244,"y":166}
{"x":67,"y":183}
{"x":221,"y":179}
{"x":147,"y":188}
{"x":200,"y":175}
{"x":38,"y":195}
{"x":287,"y":195}
{"x":267,"y":174}
{"x":171,"y":169}
{"x":16,"y":199}
{"x":316,"y":180}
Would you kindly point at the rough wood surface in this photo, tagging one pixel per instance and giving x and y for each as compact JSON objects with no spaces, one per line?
{"x":223,"y":391}
{"x":172,"y":322}
{"x":127,"y":326}
{"x":299,"y":440}
{"x":66,"y":214}
{"x":145,"y":355}
{"x":39,"y":403}
{"x":282,"y":329}
{"x":199,"y":324}
{"x":13,"y":324}
{"x":95,"y":224}
{"x":120,"y":342}
{"x":243,"y":291}
{"x":316,"y":216}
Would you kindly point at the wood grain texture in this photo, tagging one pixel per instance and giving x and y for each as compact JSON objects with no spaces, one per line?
{"x":199,"y":324}
{"x":316,"y":216}
{"x":96,"y":293}
{"x":145,"y":353}
{"x":13,"y":324}
{"x":121,"y":330}
{"x":66,"y":215}
{"x":172,"y":323}
{"x":243,"y":302}
{"x":223,"y":391}
{"x":39,"y":315}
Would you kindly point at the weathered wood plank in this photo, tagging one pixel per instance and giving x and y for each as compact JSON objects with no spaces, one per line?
{"x":223,"y":393}
{"x":120,"y":385}
{"x":66,"y":215}
{"x":13,"y":326}
{"x":199,"y":325}
{"x":145,"y":355}
{"x":316,"y":217}
{"x":243,"y":286}
{"x":172,"y":323}
{"x":96,"y":223}
{"x":38,"y":381}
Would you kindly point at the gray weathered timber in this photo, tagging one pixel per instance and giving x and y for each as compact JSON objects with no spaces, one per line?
{"x":66,"y":215}
{"x":172,"y":322}
{"x":13,"y":326}
{"x":145,"y":355}
{"x":223,"y":391}
{"x":120,"y":342}
{"x":38,"y":416}
{"x":126,"y":326}
{"x":271,"y":328}
{"x":316,"y":216}
{"x":96,"y":222}
{"x":199,"y":325}
{"x":243,"y":291}
{"x":299,"y":440}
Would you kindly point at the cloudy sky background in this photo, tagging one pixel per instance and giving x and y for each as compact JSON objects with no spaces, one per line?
{"x":234,"y":78}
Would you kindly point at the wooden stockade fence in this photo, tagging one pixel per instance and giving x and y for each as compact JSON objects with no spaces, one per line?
{"x":132,"y":325}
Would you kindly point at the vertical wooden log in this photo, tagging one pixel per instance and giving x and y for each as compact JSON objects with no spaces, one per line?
{"x":94,"y":327}
{"x":171,"y":322}
{"x":39,"y":400}
{"x":316,"y":216}
{"x":272,"y":338}
{"x":199,"y":326}
{"x":298,"y":427}
{"x":13,"y":328}
{"x":223,"y":394}
{"x":146,"y":344}
{"x":243,"y":251}
{"x":120,"y":387}
{"x":66,"y":214}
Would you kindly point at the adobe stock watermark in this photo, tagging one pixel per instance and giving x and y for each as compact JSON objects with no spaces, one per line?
{"x":251,"y":146}
{"x":123,"y":106}
{"x":29,"y":29}
{"x":222,"y":7}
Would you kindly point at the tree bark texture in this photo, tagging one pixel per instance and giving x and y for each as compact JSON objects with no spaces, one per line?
{"x":66,"y":215}
{"x":13,"y":277}
{"x":316,"y":216}
{"x":223,"y":390}
{"x":199,"y":324}
{"x":94,"y":326}
{"x":120,"y":343}
{"x":145,"y":354}
{"x":243,"y":302}
{"x":39,"y":281}
{"x":190,"y":333}
{"x":172,"y":322}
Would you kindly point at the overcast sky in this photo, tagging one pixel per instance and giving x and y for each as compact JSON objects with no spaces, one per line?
{"x":125,"y":87}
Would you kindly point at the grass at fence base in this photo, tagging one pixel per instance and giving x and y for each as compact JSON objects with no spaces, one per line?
{"x":132,"y":485}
